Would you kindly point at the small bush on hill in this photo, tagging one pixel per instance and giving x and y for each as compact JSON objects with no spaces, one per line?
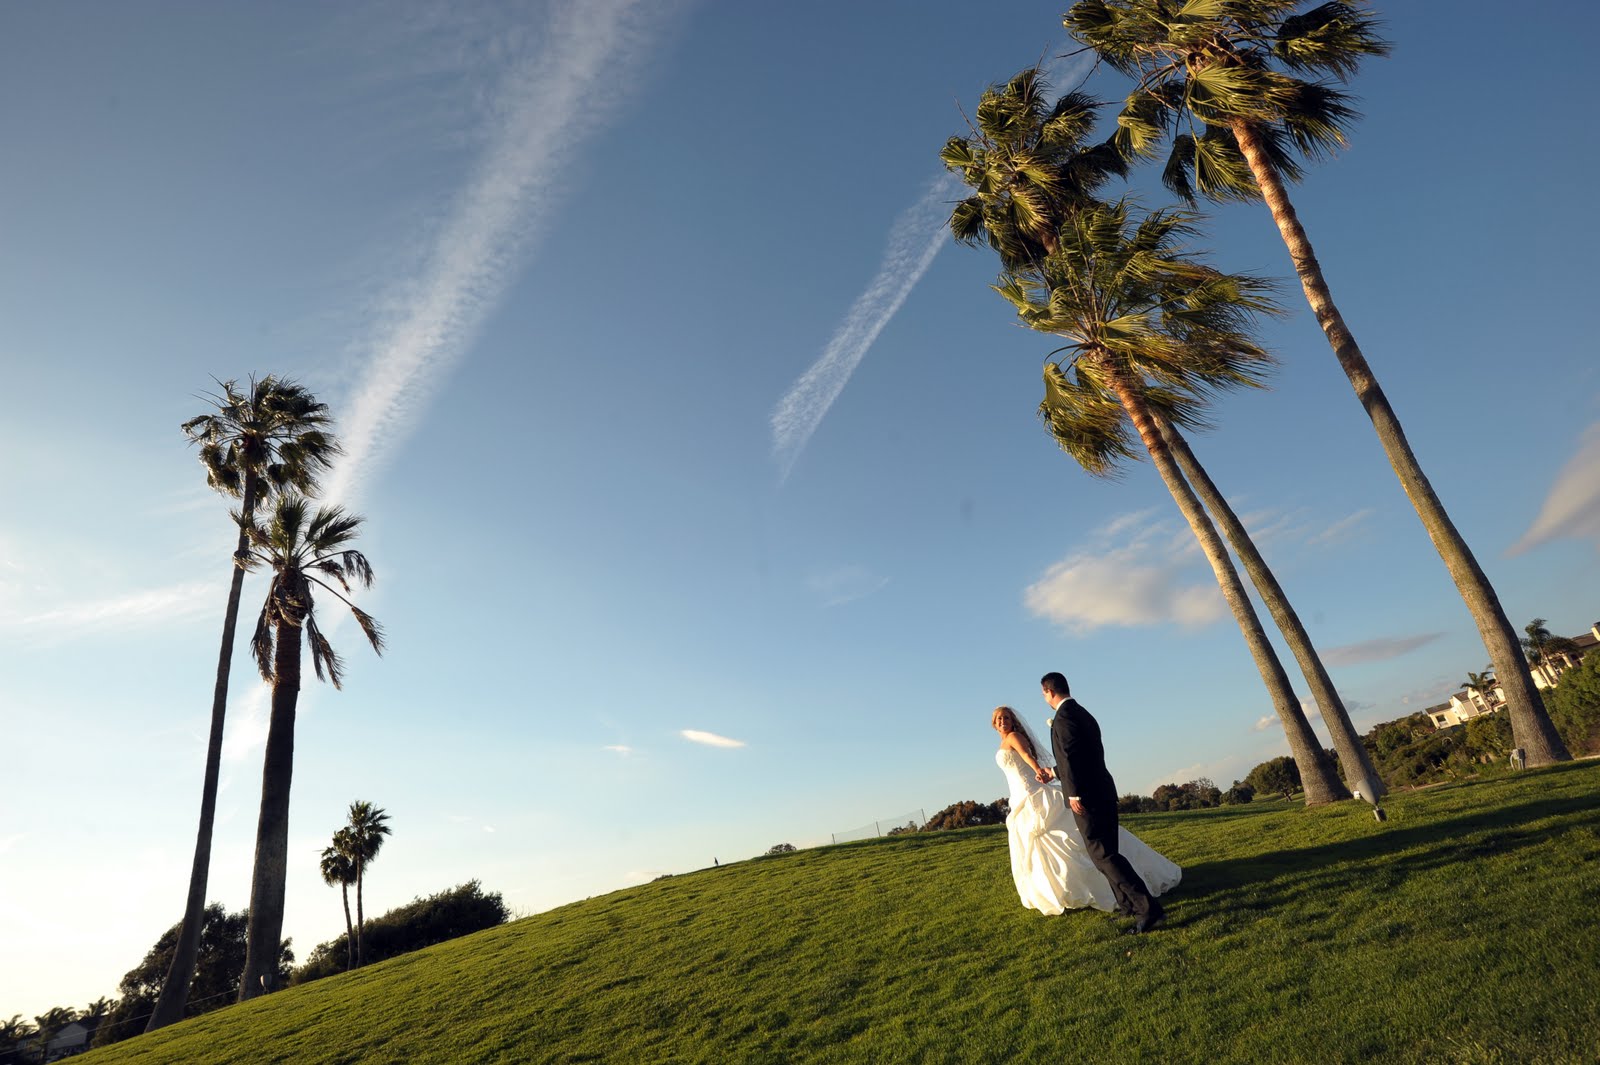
{"x":419,"y":923}
{"x":1574,"y":706}
{"x":969,"y":813}
{"x":1276,"y":776}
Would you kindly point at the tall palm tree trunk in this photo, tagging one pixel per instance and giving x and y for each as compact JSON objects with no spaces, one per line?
{"x":1530,"y":724}
{"x":1317,"y":776}
{"x":180,"y":974}
{"x":349,"y":932}
{"x":361,"y":919}
{"x":263,"y":937}
{"x":1358,"y":770}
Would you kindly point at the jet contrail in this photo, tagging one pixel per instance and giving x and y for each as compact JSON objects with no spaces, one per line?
{"x":915,"y":239}
{"x":545,"y":108}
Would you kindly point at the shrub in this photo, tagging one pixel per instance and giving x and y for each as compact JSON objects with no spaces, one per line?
{"x":420,"y":923}
{"x":1574,"y":706}
{"x":967,"y":814}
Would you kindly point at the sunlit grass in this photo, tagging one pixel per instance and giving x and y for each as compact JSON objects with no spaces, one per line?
{"x":1461,"y":930}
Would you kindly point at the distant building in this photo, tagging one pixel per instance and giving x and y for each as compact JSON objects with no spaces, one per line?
{"x":1467,"y":704}
{"x":1463,"y":706}
{"x":71,"y":1040}
{"x":1548,"y":673}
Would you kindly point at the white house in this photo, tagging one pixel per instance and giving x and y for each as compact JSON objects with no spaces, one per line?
{"x":1467,"y":704}
{"x":1548,"y":673}
{"x":73,"y":1039}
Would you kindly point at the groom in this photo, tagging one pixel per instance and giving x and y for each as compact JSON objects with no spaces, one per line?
{"x":1081,"y":766}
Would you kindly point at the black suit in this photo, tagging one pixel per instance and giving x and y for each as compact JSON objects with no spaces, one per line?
{"x":1081,"y":766}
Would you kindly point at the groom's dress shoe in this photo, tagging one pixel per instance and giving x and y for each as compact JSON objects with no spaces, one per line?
{"x":1152,"y":919}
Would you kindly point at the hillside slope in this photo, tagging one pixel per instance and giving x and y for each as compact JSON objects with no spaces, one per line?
{"x":1462,"y":930}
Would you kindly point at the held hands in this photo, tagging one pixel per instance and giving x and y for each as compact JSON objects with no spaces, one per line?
{"x":1043,"y":775}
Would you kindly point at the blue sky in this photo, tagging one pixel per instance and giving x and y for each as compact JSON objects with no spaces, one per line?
{"x":705,"y":495}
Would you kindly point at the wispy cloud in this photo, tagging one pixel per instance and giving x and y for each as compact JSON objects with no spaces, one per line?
{"x":1265,"y":722}
{"x":247,"y":719}
{"x":914,"y":240}
{"x":710,"y":739}
{"x":1135,"y":571}
{"x":1572,"y":509}
{"x":620,"y":748}
{"x":1434,"y":691}
{"x":174,"y":602}
{"x":544,"y":106}
{"x":845,"y":584}
{"x":1353,"y":654}
{"x":1343,"y":529}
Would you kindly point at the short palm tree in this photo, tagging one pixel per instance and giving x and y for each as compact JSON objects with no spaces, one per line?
{"x":1225,"y":78}
{"x":367,"y":828}
{"x":1544,"y":649}
{"x":1159,"y":331}
{"x":303,"y":551}
{"x":1483,"y":684}
{"x":260,"y":439}
{"x":338,"y":868}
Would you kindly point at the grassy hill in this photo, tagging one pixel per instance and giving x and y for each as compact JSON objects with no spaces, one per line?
{"x":1462,"y":930}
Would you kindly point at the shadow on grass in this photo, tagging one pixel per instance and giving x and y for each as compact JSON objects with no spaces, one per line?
{"x":1388,"y":857}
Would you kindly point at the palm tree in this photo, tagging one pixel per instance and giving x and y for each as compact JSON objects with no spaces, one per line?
{"x":1159,"y":331}
{"x":302,"y":550}
{"x":1223,"y":76}
{"x":1030,"y":167}
{"x":337,"y":868}
{"x":1029,"y":164}
{"x":1484,"y":685}
{"x":259,"y":440}
{"x":50,"y":1025}
{"x":1545,"y":650}
{"x":367,"y":827}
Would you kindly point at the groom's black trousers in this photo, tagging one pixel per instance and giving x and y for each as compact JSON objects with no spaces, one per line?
{"x":1099,"y":829}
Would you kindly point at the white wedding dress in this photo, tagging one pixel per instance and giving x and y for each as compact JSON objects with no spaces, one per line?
{"x":1048,"y":861}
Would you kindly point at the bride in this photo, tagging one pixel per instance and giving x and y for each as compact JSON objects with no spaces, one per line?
{"x":1051,"y":869}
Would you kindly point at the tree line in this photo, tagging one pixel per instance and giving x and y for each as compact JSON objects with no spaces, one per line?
{"x":1238,"y":96}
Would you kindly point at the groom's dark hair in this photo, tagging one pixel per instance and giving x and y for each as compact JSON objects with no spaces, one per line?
{"x":1056,"y":683}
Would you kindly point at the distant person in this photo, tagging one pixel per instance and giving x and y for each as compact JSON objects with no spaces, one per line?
{"x":1092,"y":795}
{"x":1051,"y":865}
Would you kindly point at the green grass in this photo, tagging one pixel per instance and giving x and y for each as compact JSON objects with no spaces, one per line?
{"x":1462,"y":930}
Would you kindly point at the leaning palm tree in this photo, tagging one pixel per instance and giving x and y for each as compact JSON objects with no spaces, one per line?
{"x":367,"y":827}
{"x":1030,"y":166}
{"x":338,"y":868}
{"x":1223,"y":76}
{"x":1359,"y":772}
{"x":270,"y":435}
{"x":304,"y":551}
{"x":1092,"y":429}
{"x":1158,"y":331}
